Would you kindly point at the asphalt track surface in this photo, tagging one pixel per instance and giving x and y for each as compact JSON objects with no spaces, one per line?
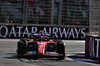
{"x":8,"y":56}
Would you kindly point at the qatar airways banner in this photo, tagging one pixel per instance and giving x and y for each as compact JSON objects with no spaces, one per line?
{"x":59,"y":32}
{"x":92,"y":47}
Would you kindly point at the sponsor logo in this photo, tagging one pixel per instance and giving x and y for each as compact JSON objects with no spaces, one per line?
{"x":59,"y":32}
{"x":93,"y":47}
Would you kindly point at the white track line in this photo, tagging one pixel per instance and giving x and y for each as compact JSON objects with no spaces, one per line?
{"x":82,"y":60}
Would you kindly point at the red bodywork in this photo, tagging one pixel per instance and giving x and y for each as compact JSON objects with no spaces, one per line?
{"x":42,"y":41}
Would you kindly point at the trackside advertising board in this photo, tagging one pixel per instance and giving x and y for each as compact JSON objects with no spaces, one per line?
{"x":92,"y":47}
{"x":7,"y":31}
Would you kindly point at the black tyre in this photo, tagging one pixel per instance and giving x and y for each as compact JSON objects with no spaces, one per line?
{"x":59,"y":41}
{"x":61,"y":50}
{"x":21,"y":48}
{"x":23,"y":40}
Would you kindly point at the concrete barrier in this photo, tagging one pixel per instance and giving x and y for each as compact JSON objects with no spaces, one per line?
{"x":92,"y":47}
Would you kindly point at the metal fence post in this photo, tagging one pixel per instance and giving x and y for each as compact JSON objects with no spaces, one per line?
{"x":24,"y":16}
{"x":90,"y":17}
{"x":60,"y":11}
{"x":52,"y":12}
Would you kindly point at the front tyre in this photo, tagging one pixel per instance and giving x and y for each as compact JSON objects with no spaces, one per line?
{"x":61,"y":50}
{"x":21,"y":48}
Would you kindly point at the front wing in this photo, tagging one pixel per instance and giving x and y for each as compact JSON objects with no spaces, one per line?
{"x":47,"y":54}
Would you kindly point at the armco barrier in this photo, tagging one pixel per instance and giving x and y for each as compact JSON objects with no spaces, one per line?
{"x":92,"y":47}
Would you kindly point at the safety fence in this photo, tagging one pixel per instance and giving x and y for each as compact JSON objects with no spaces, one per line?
{"x":45,"y":12}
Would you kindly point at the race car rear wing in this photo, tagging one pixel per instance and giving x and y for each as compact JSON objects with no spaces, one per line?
{"x":38,"y":34}
{"x":41,"y":33}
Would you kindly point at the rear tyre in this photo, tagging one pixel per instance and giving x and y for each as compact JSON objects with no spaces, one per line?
{"x":61,"y":50}
{"x":21,"y":48}
{"x":23,"y":40}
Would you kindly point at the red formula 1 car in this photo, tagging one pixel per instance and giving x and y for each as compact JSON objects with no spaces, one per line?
{"x":41,"y":46}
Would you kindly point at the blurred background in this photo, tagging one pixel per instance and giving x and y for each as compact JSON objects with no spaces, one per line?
{"x":68,"y":13}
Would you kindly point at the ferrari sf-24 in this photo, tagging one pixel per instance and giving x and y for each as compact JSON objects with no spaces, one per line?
{"x":41,"y":46}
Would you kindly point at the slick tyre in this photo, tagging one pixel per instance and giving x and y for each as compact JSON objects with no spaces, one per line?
{"x":21,"y":48}
{"x":59,"y":41}
{"x":23,"y":40}
{"x":61,"y":50}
